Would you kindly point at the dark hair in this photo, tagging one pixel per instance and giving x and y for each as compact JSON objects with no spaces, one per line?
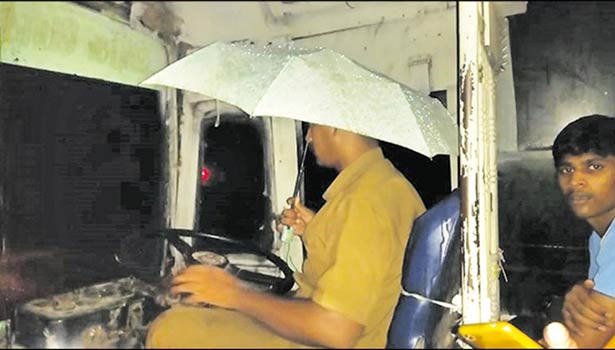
{"x":593,"y":133}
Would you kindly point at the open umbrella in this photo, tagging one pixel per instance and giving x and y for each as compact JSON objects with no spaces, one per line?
{"x":317,"y":86}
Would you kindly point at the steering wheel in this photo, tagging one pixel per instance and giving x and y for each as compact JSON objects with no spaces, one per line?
{"x":274,"y":284}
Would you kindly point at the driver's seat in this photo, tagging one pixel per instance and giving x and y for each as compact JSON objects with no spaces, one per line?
{"x":431,"y":271}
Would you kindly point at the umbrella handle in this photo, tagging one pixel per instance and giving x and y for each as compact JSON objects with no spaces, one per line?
{"x":287,"y":234}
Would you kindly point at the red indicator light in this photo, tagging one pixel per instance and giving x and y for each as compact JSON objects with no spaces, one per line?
{"x":205,"y":174}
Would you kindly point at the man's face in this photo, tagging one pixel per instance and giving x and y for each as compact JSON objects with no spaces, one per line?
{"x":321,"y":138}
{"x":588,"y":184}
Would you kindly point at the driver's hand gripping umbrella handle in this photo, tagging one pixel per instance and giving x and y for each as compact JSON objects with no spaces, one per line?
{"x":287,"y":231}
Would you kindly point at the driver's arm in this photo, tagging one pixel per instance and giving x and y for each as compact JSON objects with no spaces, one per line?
{"x":300,"y":320}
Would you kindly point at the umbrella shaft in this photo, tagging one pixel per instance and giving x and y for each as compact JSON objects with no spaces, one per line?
{"x":300,"y":173}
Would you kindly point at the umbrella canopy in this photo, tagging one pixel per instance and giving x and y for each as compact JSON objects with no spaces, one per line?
{"x":317,"y":86}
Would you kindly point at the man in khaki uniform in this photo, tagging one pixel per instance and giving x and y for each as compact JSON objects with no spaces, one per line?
{"x":351,"y":277}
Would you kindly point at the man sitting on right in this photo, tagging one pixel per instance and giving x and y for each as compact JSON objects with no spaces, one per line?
{"x":584,"y":155}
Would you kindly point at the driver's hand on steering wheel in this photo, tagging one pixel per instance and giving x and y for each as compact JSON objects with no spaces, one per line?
{"x":208,"y":284}
{"x":297,"y":216}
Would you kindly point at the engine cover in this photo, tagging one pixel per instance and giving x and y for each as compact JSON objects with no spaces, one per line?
{"x":114,"y":314}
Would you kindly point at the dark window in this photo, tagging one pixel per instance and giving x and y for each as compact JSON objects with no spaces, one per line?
{"x":79,"y":177}
{"x":544,"y":244}
{"x":231,"y":201}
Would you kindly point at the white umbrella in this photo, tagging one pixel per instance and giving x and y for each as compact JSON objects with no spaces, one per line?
{"x":317,"y":86}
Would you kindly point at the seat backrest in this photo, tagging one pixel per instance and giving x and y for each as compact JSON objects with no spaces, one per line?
{"x":431,"y":269}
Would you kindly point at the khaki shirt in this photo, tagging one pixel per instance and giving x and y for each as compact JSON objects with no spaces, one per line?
{"x":355,"y":244}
